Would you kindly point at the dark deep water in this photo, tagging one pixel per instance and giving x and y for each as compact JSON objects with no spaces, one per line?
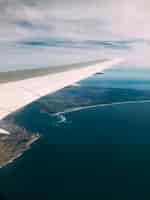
{"x":98,"y":153}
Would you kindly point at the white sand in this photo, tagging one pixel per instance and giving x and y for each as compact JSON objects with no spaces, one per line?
{"x":15,"y":95}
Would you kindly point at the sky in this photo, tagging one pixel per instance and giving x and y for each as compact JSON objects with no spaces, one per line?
{"x":53,"y":32}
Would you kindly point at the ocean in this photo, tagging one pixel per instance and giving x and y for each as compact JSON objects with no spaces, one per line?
{"x":97,"y":147}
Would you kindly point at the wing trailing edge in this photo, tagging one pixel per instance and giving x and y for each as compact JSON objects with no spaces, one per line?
{"x":17,"y":89}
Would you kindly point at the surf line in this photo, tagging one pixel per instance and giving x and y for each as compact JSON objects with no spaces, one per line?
{"x":100,"y":105}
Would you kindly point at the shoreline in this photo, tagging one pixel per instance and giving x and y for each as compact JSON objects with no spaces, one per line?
{"x":99,"y":105}
{"x":36,"y":137}
{"x":28,"y":145}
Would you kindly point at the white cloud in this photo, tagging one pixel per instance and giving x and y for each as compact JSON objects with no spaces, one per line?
{"x":79,"y":21}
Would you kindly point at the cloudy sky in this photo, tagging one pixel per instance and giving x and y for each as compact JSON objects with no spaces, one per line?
{"x":53,"y":32}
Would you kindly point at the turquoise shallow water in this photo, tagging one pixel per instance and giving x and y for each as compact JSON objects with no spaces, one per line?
{"x":98,"y":153}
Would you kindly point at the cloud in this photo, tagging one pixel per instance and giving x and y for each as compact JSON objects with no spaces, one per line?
{"x":96,"y":19}
{"x":99,"y":27}
{"x":84,"y":44}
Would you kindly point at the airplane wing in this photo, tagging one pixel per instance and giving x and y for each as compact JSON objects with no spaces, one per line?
{"x":19,"y":88}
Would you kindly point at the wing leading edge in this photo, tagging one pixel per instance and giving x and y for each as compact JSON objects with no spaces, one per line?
{"x":17,"y":89}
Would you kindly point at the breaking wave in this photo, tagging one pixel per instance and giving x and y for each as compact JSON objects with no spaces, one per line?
{"x":59,"y":119}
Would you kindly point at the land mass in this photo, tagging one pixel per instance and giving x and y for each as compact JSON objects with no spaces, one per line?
{"x":13,"y":145}
{"x":73,"y":98}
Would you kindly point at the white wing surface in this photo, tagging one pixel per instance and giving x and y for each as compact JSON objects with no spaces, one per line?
{"x":19,"y":88}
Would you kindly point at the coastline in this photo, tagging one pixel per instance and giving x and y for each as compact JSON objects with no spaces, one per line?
{"x":76,"y":109}
{"x":28,"y":145}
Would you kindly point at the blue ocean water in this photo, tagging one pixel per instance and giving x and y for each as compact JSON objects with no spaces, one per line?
{"x":100,"y":152}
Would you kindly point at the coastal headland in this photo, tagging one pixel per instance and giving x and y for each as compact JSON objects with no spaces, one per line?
{"x":14,"y":144}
